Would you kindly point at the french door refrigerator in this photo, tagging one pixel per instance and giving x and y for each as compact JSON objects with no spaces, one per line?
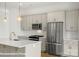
{"x":54,"y":42}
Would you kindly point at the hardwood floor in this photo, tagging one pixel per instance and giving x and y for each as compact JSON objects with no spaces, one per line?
{"x":44,"y":54}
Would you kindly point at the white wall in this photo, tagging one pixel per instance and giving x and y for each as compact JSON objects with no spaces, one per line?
{"x":4,"y":26}
{"x":12,"y":24}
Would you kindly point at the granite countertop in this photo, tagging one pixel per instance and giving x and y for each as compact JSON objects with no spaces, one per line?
{"x":19,"y":44}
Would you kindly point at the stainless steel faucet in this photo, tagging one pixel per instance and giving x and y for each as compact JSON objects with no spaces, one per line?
{"x":12,"y":34}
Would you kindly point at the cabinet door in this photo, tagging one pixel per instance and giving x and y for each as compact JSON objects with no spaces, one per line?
{"x":58,"y":16}
{"x":12,"y":50}
{"x":72,"y":20}
{"x":39,"y":18}
{"x":71,"y":47}
{"x":43,"y":44}
{"x":30,"y":23}
{"x":1,"y":48}
{"x":74,"y":48}
{"x":5,"y":49}
{"x":78,"y":21}
{"x":20,"y":50}
{"x":44,"y":21}
{"x":36,"y":18}
{"x":23,"y":23}
{"x":67,"y":47}
{"x":26,"y":23}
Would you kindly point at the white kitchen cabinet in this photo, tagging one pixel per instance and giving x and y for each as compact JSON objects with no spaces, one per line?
{"x":78,"y":23}
{"x":44,"y":21}
{"x":30,"y":22}
{"x":27,"y":21}
{"x":6,"y":49}
{"x":1,"y":48}
{"x":36,"y":19}
{"x":43,"y":44}
{"x":71,"y":47}
{"x":33,"y":50}
{"x":57,"y":16}
{"x":23,"y":23}
{"x":19,"y":50}
{"x":22,"y":48}
{"x":40,"y":19}
{"x":71,"y":22}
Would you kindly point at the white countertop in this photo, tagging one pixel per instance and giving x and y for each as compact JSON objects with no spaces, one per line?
{"x":19,"y":44}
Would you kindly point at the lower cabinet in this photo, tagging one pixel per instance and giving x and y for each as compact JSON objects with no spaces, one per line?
{"x":1,"y":48}
{"x":71,"y":47}
{"x":11,"y":51}
{"x":43,"y":44}
{"x":29,"y":50}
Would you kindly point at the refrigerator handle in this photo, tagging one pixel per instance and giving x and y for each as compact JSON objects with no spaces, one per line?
{"x":55,"y":32}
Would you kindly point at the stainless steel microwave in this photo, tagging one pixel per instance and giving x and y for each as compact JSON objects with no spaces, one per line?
{"x":37,"y":26}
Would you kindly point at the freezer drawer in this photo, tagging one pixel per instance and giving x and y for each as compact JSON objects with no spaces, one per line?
{"x":54,"y":49}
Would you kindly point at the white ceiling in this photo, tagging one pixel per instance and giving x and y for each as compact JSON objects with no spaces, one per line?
{"x":30,"y":5}
{"x":37,"y":7}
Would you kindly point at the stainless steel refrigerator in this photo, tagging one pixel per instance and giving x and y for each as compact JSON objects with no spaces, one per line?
{"x":54,"y":42}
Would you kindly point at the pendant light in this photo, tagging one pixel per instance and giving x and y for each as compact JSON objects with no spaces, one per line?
{"x":5,"y":17}
{"x":19,"y":9}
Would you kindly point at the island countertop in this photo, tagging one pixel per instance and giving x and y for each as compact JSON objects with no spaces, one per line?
{"x":19,"y":44}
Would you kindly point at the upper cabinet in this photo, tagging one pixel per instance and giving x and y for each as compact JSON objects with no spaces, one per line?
{"x":23,"y":23}
{"x":69,"y":17}
{"x":71,"y":21}
{"x":37,"y":18}
{"x":57,"y":16}
{"x":30,"y":20}
{"x":78,"y":22}
{"x":26,"y":23}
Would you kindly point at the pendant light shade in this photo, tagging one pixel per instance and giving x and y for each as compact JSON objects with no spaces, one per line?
{"x":5,"y":17}
{"x":19,"y":18}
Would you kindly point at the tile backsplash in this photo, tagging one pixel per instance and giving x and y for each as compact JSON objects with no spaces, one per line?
{"x":28,"y":33}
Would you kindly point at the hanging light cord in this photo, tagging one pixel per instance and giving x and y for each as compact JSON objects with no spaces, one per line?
{"x":19,"y":8}
{"x":5,"y":9}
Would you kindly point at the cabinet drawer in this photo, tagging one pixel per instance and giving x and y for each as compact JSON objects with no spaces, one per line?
{"x":71,"y":47}
{"x":67,"y":51}
{"x":20,"y":50}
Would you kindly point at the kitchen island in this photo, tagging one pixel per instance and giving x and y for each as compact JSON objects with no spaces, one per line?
{"x":25,"y":48}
